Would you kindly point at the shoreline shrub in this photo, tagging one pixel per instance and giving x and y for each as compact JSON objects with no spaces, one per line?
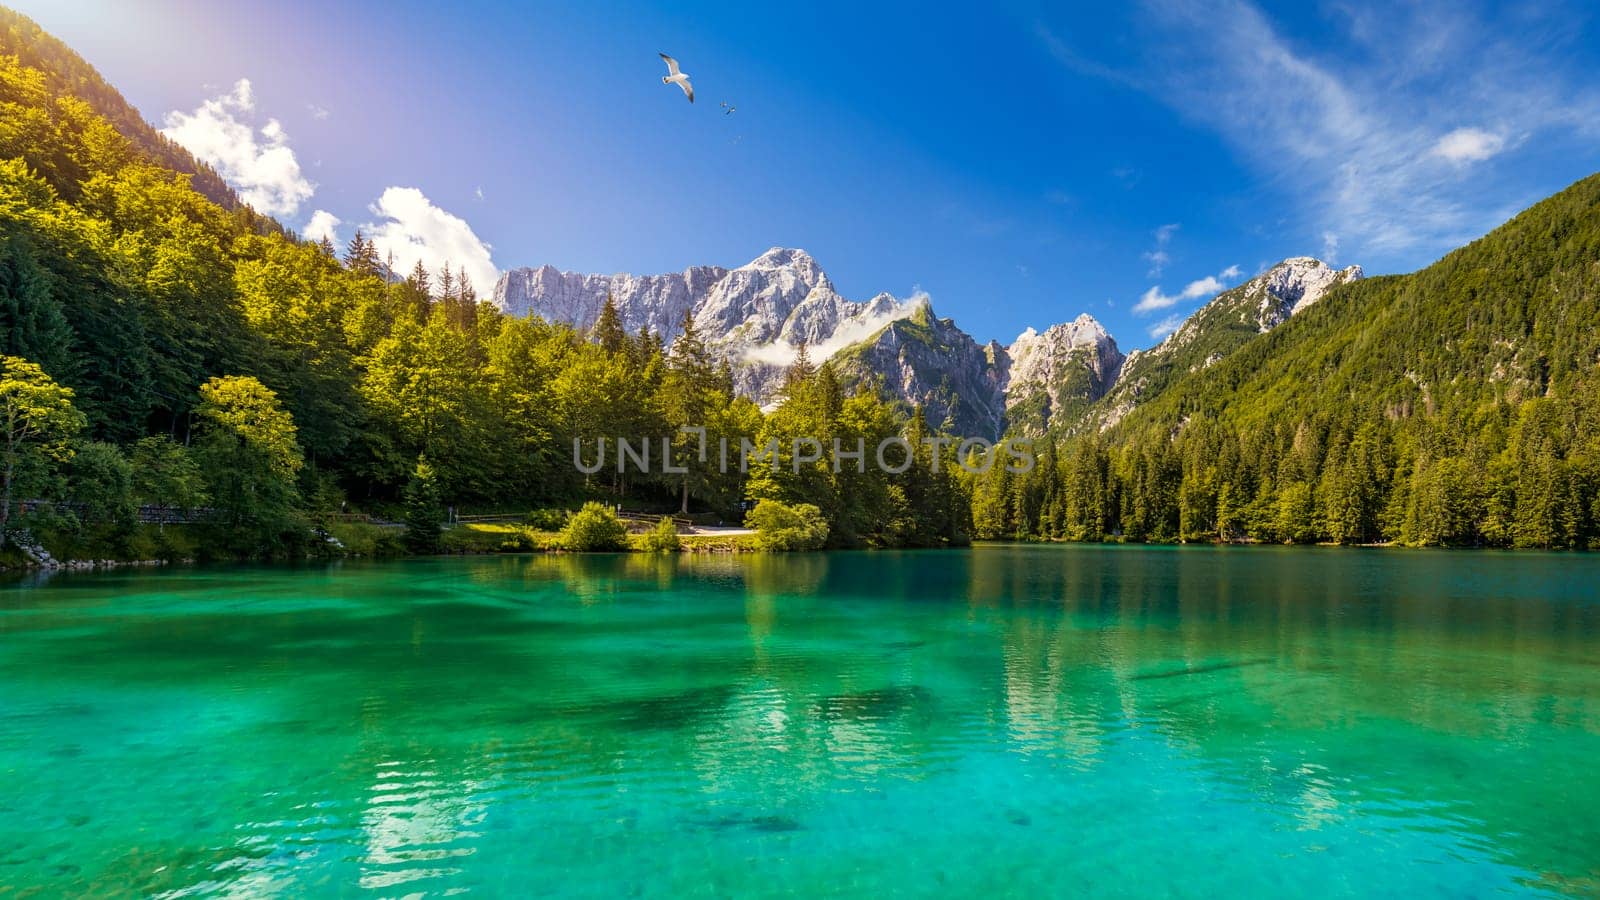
{"x":663,"y":538}
{"x":594,"y":528}
{"x":782,"y":527}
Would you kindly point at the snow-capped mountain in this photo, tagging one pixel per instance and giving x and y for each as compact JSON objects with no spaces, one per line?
{"x":754,"y":316}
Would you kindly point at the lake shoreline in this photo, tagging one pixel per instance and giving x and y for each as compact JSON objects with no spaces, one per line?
{"x":707,"y":548}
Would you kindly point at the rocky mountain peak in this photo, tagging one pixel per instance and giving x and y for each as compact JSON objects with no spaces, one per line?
{"x":782,"y":257}
{"x":1068,"y":366}
{"x":930,"y":362}
{"x":1090,"y":323}
{"x":1293,"y":285}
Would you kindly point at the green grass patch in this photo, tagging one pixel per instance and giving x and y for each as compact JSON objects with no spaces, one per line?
{"x":364,"y":540}
{"x":498,"y":537}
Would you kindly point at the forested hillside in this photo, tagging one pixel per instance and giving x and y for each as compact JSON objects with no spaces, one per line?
{"x":68,"y":76}
{"x":1459,"y":405}
{"x":193,"y":355}
{"x":1231,"y":320}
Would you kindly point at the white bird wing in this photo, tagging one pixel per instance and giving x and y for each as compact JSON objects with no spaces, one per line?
{"x":687,"y":87}
{"x":672,"y":64}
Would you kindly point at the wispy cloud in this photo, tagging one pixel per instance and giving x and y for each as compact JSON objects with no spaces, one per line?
{"x":258,"y":164}
{"x":1376,"y":140}
{"x":1158,"y":257}
{"x":1330,"y":247}
{"x":1166,"y":326}
{"x":1211,"y":285}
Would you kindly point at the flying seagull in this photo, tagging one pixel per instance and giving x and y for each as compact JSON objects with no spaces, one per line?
{"x":681,"y":79}
{"x":727,"y":109}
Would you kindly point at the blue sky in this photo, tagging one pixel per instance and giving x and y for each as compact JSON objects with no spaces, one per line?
{"x":1020,"y":164}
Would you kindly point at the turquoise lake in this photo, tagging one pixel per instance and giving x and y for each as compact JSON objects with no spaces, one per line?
{"x":1005,"y":721}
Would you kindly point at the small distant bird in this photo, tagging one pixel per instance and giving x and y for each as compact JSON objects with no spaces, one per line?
{"x":679,"y":78}
{"x":728,"y":109}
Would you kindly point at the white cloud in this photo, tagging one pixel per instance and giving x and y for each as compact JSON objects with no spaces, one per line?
{"x":1330,"y":247}
{"x":412,"y":229}
{"x":259,"y":166}
{"x":1469,"y":145}
{"x":1166,"y":326}
{"x":1154,"y":299}
{"x":316,"y":111}
{"x":1208,"y":286}
{"x":323,"y":224}
{"x":850,"y":331}
{"x":478,"y":193}
{"x":1158,"y":257}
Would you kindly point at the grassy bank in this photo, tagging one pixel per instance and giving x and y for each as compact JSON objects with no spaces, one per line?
{"x":147,"y":544}
{"x":501,"y":537}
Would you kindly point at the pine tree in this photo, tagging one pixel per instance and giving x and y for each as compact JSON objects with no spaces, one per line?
{"x":689,"y":356}
{"x":608,"y":331}
{"x":992,"y":501}
{"x":800,"y":370}
{"x":462,"y":310}
{"x":361,"y":256}
{"x":423,"y":509}
{"x":829,"y":397}
{"x":689,"y":393}
{"x":417,"y":292}
{"x":446,"y":293}
{"x":1228,"y":508}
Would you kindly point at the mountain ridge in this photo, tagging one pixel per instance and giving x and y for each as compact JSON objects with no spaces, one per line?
{"x":756,"y":316}
{"x":1069,"y":377}
{"x":1226,"y":322}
